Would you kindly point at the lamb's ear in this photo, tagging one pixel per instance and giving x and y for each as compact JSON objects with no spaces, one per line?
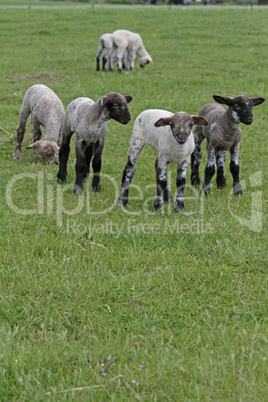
{"x":104,"y":100}
{"x":128,"y":98}
{"x":199,"y":121}
{"x":224,"y":100}
{"x":257,"y":101}
{"x":164,"y":121}
{"x":33,"y":145}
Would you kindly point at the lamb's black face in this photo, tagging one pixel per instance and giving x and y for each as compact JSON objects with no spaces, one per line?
{"x":116,"y":104}
{"x":241,"y":106}
{"x":119,"y":112}
{"x":242,"y":109}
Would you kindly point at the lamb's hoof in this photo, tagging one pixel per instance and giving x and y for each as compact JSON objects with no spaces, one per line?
{"x":221,"y":183}
{"x":16,"y":156}
{"x":78,"y":190}
{"x":195,"y":182}
{"x":205,"y":190}
{"x":157,"y":208}
{"x":61,"y":178}
{"x":96,"y":188}
{"x":179,"y":208}
{"x":123,"y":200}
{"x":237,"y":189}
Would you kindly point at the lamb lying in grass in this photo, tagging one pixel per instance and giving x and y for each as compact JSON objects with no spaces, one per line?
{"x":223,"y":133}
{"x":88,"y":120}
{"x":46,"y":109}
{"x":171,"y":135}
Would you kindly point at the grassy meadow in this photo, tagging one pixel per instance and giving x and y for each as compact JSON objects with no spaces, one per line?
{"x":98,"y":303}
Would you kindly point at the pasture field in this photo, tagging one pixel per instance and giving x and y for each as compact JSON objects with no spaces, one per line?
{"x":97,"y":303}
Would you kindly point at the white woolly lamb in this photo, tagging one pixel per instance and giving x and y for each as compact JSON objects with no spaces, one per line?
{"x":46,"y":109}
{"x":174,"y":142}
{"x":132,"y":42}
{"x":106,"y":43}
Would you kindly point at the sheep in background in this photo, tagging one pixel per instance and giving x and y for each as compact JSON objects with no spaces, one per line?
{"x":106,"y":43}
{"x":131,"y":42}
{"x":46,"y":109}
{"x":88,"y":120}
{"x":223,"y":133}
{"x":174,"y":142}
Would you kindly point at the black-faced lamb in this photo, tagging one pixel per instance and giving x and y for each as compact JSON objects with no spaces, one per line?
{"x":46,"y":109}
{"x":131,"y":42}
{"x":171,"y":135}
{"x":222,"y":134}
{"x":88,"y":120}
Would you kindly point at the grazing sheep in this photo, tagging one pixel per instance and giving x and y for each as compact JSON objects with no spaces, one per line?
{"x":106,"y":42}
{"x":132,"y":42}
{"x":223,"y":133}
{"x":174,"y":143}
{"x":88,"y":120}
{"x":46,"y":109}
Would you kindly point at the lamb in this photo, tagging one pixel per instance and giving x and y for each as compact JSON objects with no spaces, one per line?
{"x":106,"y":42}
{"x":132,"y":42}
{"x":46,"y":109}
{"x":174,"y":142}
{"x":88,"y":120}
{"x":223,"y":133}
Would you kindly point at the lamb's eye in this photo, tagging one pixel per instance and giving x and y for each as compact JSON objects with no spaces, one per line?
{"x":115,"y":106}
{"x":237,"y":107}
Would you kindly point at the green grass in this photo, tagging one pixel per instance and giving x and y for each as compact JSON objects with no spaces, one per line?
{"x":170,"y":307}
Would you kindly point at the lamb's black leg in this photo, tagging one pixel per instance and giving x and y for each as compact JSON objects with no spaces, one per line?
{"x":161,"y":184}
{"x":96,"y":164}
{"x":196,"y":156}
{"x":20,"y":136}
{"x":105,"y":60}
{"x":24,"y":113}
{"x":98,"y":64}
{"x":234,"y":169}
{"x":80,"y":167}
{"x":167,"y":197}
{"x":220,"y":161}
{"x":127,"y":177}
{"x":181,"y":180}
{"x":209,"y":171}
{"x":63,"y":159}
{"x":88,"y":156}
